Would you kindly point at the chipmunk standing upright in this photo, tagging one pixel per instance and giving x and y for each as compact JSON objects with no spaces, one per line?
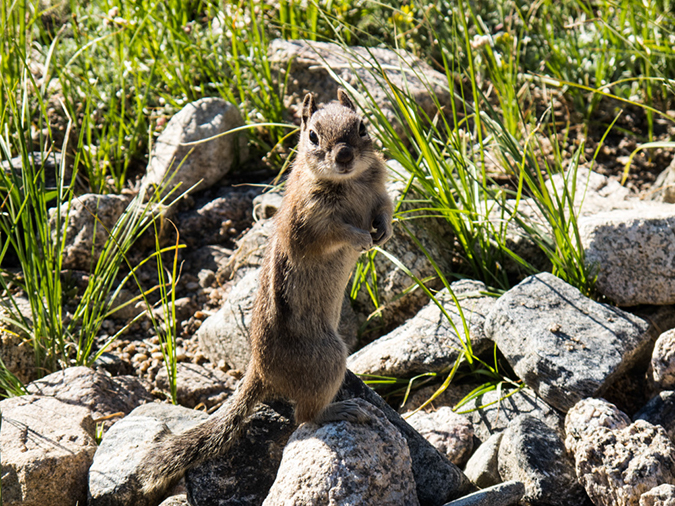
{"x":335,"y":207}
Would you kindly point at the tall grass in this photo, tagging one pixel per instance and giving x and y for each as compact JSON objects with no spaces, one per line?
{"x":96,"y":81}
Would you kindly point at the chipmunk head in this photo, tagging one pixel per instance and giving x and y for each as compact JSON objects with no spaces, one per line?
{"x":334,"y":139}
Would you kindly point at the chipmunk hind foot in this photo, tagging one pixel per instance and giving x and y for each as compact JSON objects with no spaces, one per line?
{"x":344,"y":411}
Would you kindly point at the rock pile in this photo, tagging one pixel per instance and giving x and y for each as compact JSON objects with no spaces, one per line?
{"x":546,"y":438}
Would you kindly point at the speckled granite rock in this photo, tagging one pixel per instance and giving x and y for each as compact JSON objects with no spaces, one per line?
{"x":346,"y":463}
{"x":587,"y":415}
{"x":564,"y":346}
{"x":617,"y":466}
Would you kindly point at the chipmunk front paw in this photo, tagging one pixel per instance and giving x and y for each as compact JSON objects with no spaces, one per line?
{"x":383,"y":229}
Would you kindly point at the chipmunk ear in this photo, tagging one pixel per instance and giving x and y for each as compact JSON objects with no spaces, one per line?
{"x":344,"y":99}
{"x":308,"y":108}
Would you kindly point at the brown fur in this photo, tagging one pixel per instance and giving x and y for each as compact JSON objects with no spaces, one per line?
{"x":335,"y":207}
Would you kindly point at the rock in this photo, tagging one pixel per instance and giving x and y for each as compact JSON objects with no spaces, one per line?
{"x":663,"y":495}
{"x":345,"y":463}
{"x":112,"y":476}
{"x":660,"y":410}
{"x":663,"y":189}
{"x":617,"y":466}
{"x":589,"y":414}
{"x":482,"y":469}
{"x":49,"y":166}
{"x":563,"y":345}
{"x":90,"y":219}
{"x":124,"y":306}
{"x":306,"y":66}
{"x":266,"y":205}
{"x":663,"y":360}
{"x":428,"y":341}
{"x":215,"y":218}
{"x":621,"y":243}
{"x":183,"y":307}
{"x":245,"y":473}
{"x":176,"y":500}
{"x":101,"y":394}
{"x":533,"y":453}
{"x":210,"y":257}
{"x":224,"y":336}
{"x":450,"y":433}
{"x":112,"y":364}
{"x":437,"y":479}
{"x":47,"y":447}
{"x":451,"y":396}
{"x":249,"y":253}
{"x":504,"y":494}
{"x":197,"y":384}
{"x":490,"y":415}
{"x":16,"y":350}
{"x":593,"y":193}
{"x":176,"y":418}
{"x":174,"y":158}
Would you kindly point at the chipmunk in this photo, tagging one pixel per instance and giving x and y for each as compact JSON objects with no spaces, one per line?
{"x":335,"y":207}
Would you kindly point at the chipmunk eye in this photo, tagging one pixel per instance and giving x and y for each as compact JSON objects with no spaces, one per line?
{"x":362,"y":129}
{"x":313,"y":137}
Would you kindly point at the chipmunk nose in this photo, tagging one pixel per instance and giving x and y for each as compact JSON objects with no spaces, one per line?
{"x":344,"y":155}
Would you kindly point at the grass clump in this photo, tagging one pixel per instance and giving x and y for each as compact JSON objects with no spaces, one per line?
{"x":96,"y":82}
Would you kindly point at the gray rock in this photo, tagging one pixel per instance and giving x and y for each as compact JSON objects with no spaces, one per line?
{"x":266,"y":205}
{"x":428,"y":341}
{"x":249,"y":253}
{"x":564,"y":345}
{"x":450,"y":433}
{"x":621,"y":243}
{"x":587,"y":415}
{"x":198,"y":384}
{"x":660,"y":410}
{"x":533,"y":453}
{"x":593,"y":193}
{"x":101,"y":394}
{"x":617,"y":466}
{"x":663,"y":360}
{"x":306,"y":66}
{"x":47,"y":447}
{"x":451,"y":396}
{"x":124,"y":306}
{"x":210,"y":257}
{"x":663,"y":189}
{"x":90,"y":218}
{"x":176,"y":418}
{"x":246,"y":472}
{"x":437,"y":479}
{"x":176,"y":500}
{"x":225,"y":335}
{"x":663,"y":495}
{"x":173,"y":157}
{"x":112,"y":476}
{"x":482,"y":468}
{"x":213,"y":218}
{"x":503,"y":494}
{"x":112,"y":364}
{"x":493,"y":411}
{"x":344,"y":463}
{"x":16,"y":350}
